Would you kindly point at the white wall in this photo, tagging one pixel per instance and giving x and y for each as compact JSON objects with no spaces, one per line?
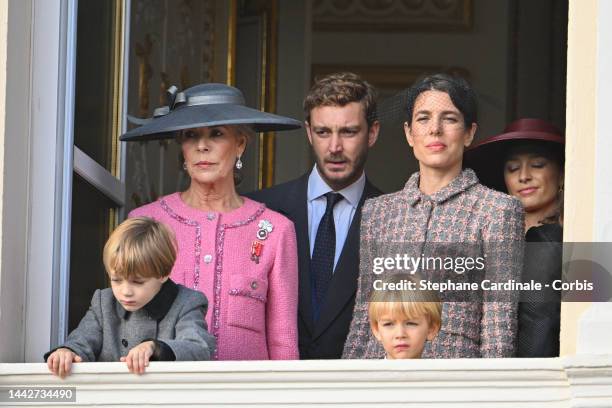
{"x":603,"y":151}
{"x":15,"y":26}
{"x":595,"y":325}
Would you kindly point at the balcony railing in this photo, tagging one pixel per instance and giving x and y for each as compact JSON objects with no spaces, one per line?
{"x":576,"y":381}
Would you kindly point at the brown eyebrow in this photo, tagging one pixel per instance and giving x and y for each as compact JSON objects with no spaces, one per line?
{"x":354,"y":128}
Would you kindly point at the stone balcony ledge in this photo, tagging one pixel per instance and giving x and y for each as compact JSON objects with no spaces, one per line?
{"x":575,"y":381}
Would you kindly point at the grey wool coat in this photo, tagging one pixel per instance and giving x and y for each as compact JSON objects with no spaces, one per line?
{"x":174,"y":319}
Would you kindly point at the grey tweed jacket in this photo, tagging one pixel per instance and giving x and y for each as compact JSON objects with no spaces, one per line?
{"x":174,"y":318}
{"x":481,"y":221}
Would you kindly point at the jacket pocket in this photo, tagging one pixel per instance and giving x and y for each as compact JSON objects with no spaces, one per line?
{"x":247,"y":303}
{"x":462,"y":319}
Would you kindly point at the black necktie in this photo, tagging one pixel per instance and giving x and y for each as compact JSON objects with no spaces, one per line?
{"x":322,"y":261}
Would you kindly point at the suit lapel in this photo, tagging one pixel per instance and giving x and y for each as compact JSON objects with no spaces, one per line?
{"x":343,"y":285}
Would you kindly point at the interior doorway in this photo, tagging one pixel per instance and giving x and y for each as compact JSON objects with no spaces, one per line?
{"x":513,"y":53}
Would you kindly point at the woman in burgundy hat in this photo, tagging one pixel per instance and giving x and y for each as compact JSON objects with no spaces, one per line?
{"x":526,"y":161}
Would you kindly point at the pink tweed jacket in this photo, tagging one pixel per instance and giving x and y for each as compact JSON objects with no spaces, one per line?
{"x":472,"y":218}
{"x":249,"y":276}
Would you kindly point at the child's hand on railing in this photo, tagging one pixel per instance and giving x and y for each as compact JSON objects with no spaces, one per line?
{"x":60,"y":361}
{"x":138,"y":357}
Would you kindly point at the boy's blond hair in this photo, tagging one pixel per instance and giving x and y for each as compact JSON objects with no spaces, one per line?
{"x":140,"y":247}
{"x":408,"y":304}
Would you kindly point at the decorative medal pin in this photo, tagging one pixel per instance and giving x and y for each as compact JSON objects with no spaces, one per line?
{"x":265,"y":228}
{"x":256,"y":248}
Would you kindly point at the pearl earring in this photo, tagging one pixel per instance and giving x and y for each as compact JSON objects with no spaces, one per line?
{"x":185,"y":166}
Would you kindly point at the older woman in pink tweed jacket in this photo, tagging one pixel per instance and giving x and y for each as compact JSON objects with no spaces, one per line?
{"x":252,"y":306}
{"x":240,"y":254}
{"x":442,"y":208}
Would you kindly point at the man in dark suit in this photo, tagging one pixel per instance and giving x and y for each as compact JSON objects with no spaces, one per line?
{"x":325,"y":206}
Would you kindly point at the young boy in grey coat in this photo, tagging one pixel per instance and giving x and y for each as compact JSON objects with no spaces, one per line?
{"x":143,"y":316}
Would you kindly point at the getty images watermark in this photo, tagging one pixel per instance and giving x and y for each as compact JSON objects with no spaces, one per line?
{"x":475,"y":278}
{"x":410,"y":264}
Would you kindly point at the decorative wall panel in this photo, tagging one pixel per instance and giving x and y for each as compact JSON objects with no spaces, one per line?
{"x":392,"y":15}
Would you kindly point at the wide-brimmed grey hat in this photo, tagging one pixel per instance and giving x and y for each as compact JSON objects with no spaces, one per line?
{"x":205,"y":105}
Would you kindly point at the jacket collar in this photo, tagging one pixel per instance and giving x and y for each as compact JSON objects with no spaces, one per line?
{"x":464,"y":181}
{"x":317,"y":187}
{"x":176,"y":208}
{"x":159,"y":306}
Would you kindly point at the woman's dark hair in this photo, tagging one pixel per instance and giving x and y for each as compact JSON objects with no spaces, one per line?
{"x":551,"y":151}
{"x":458,"y":89}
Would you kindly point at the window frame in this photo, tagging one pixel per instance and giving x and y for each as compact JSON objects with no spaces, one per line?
{"x":53,"y":161}
{"x":50,"y":167}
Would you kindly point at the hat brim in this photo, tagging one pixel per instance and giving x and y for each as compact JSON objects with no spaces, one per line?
{"x":486,"y":157}
{"x":194,"y":116}
{"x":521,"y":136}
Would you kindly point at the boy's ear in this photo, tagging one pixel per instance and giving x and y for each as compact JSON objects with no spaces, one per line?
{"x":433,"y":331}
{"x":375,"y":332}
{"x":164,"y":279}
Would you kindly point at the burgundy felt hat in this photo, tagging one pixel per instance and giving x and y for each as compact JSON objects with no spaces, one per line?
{"x":487,"y":156}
